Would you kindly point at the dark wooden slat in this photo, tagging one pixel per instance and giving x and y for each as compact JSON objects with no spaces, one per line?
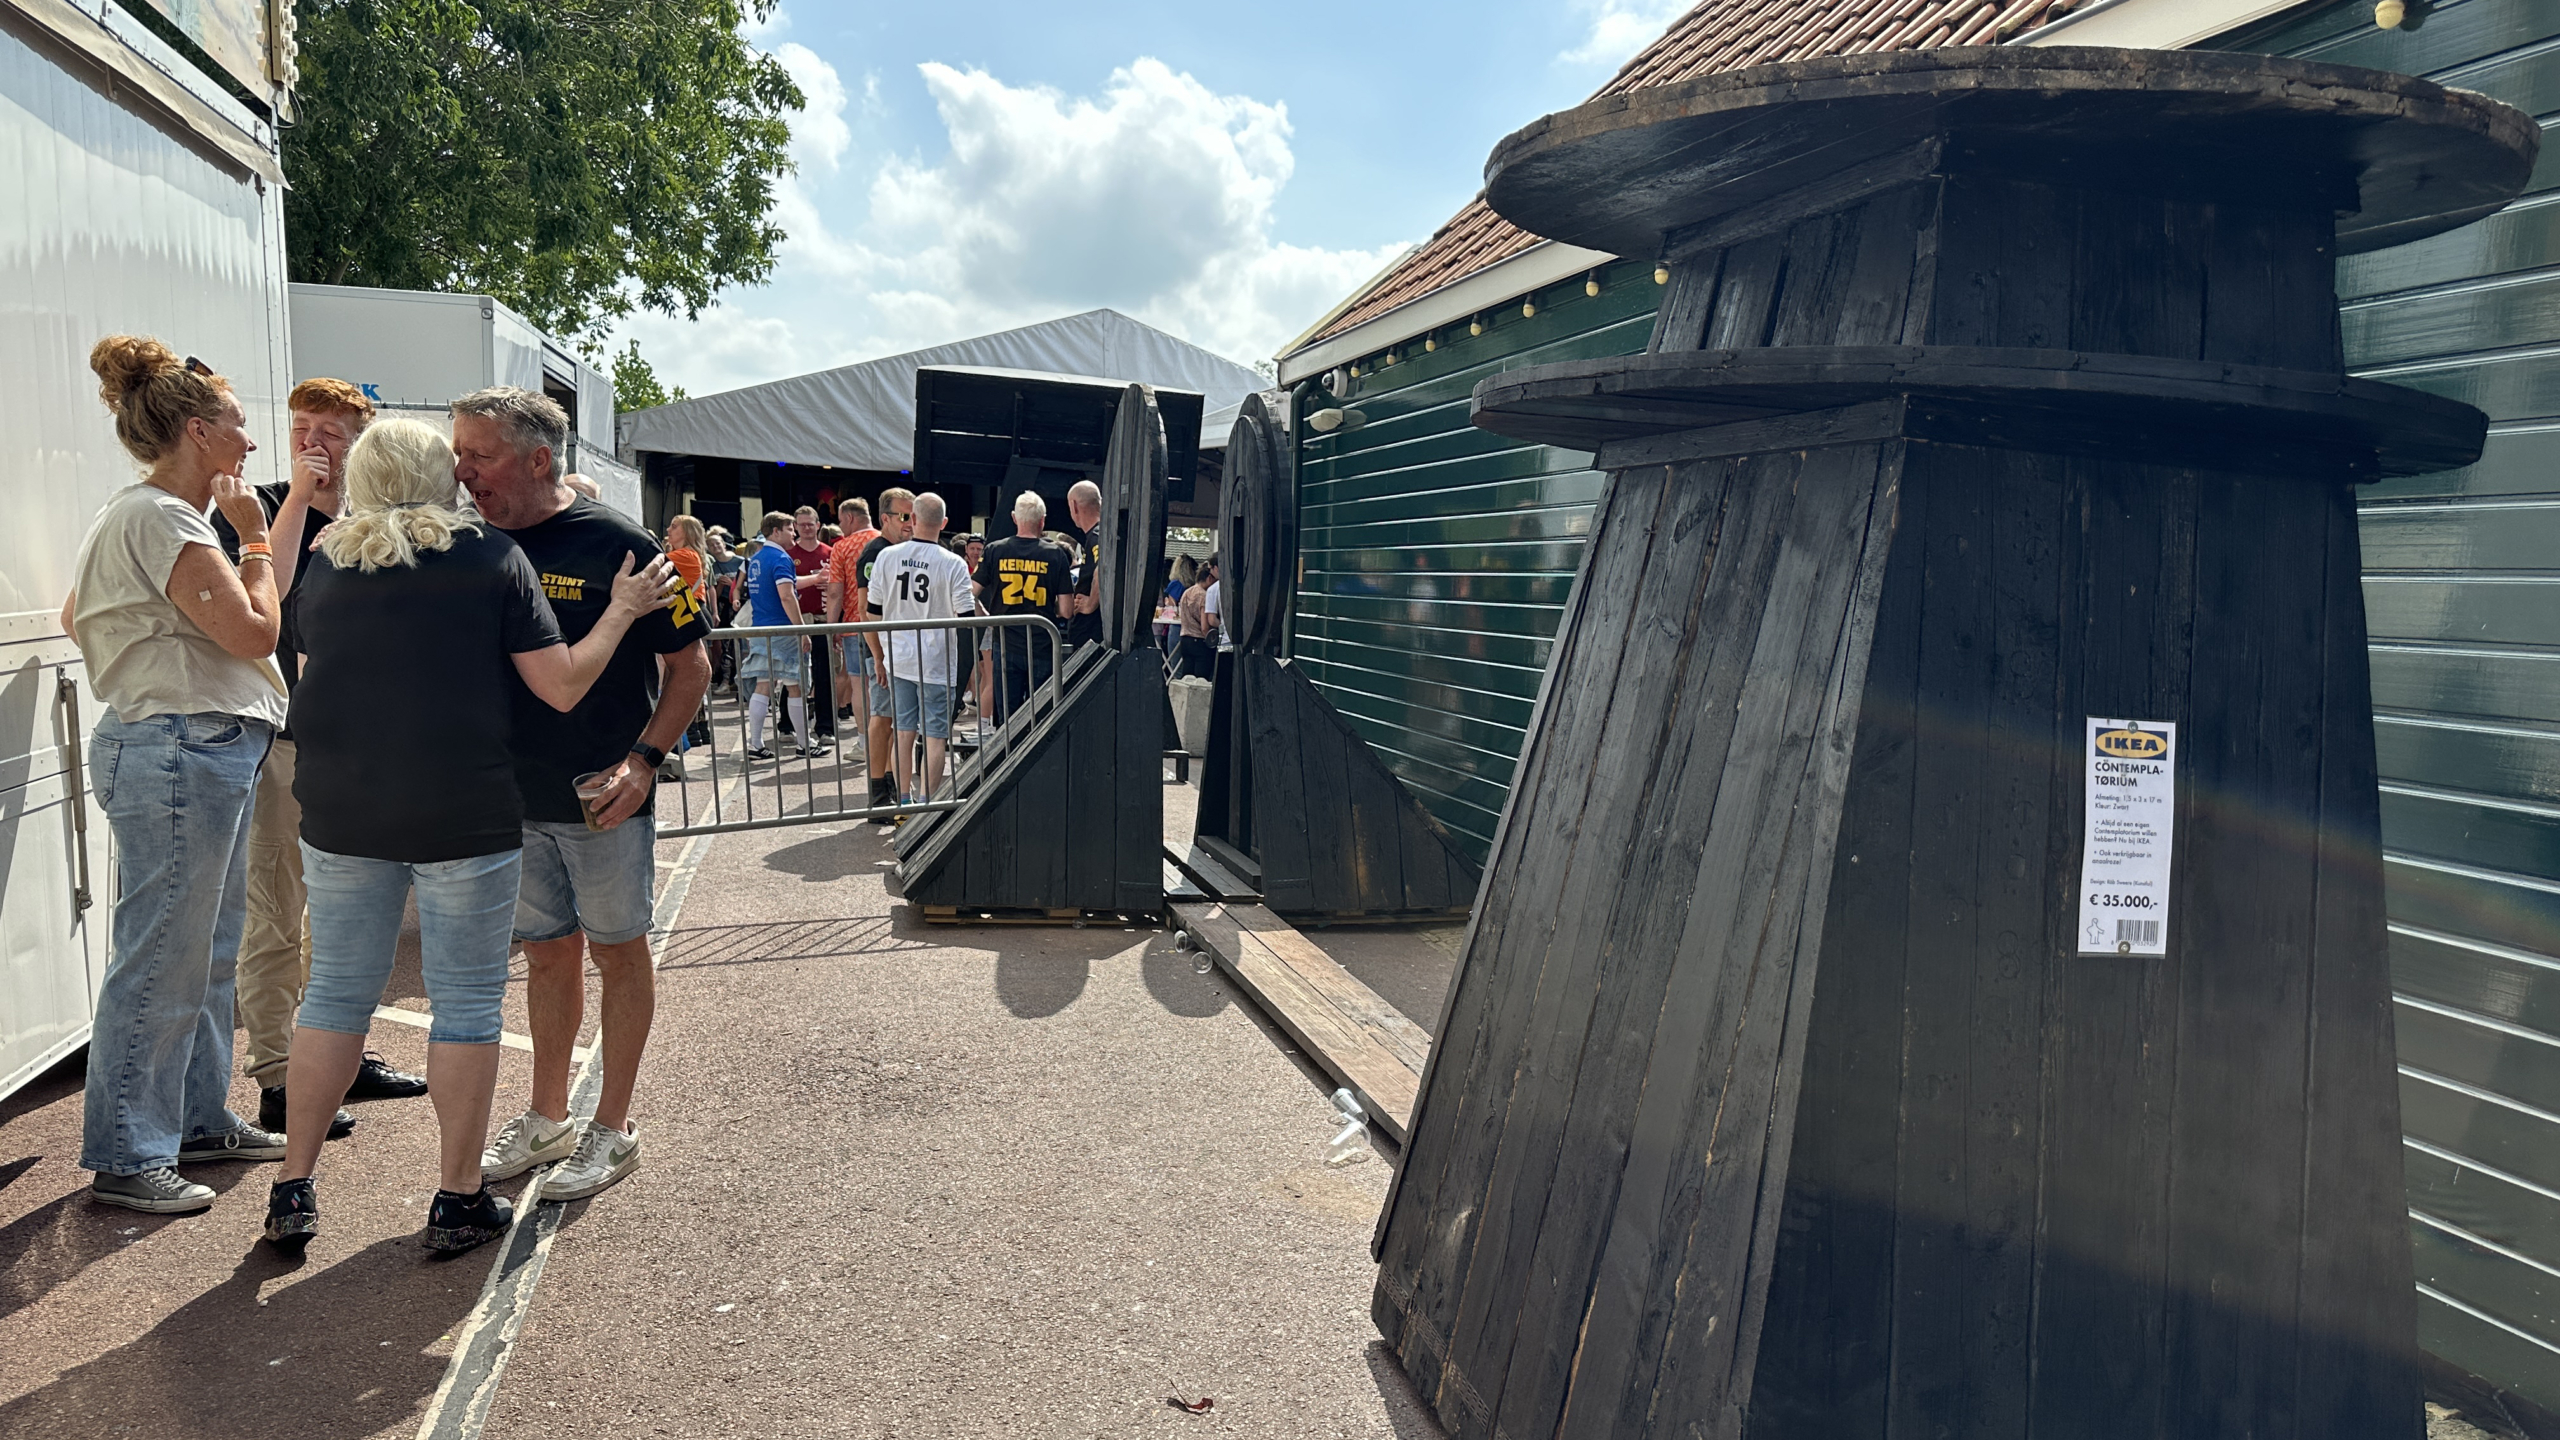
{"x":1433,"y":1209}
{"x":1683,"y":319}
{"x":1279,"y":786}
{"x":1337,"y":852}
{"x":1087,"y":791}
{"x":1342,"y":1025}
{"x":1753,"y":272}
{"x":1683,"y":687}
{"x":1139,"y":788}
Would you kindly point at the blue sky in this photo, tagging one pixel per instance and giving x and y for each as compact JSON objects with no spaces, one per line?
{"x":1220,"y":172}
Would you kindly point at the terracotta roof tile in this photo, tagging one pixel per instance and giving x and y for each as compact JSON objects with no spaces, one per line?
{"x":1717,"y":35}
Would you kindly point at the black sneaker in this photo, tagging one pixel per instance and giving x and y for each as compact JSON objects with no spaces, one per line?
{"x":456,"y":1223}
{"x":378,"y":1081}
{"x":293,"y":1214}
{"x":153,"y":1192}
{"x":271,"y":1114}
{"x":759,"y":753}
{"x":815,"y":750}
{"x":243,"y":1141}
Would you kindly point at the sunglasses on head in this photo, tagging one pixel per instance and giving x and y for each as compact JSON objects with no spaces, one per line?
{"x":198,"y":367}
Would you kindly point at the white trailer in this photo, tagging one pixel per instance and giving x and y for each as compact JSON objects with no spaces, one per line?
{"x":412,"y":351}
{"x":136,"y":195}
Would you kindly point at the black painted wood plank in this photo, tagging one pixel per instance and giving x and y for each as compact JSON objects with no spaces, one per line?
{"x":2357,"y":1360}
{"x":2242,"y":922}
{"x":1821,"y":253}
{"x":1684,"y":683}
{"x":1605,"y":858}
{"x":1139,"y":783}
{"x":1087,"y":795}
{"x":1752,"y":934}
{"x":1432,"y":1212}
{"x":1876,"y":294}
{"x":2128,"y":628}
{"x":1754,"y":272}
{"x":1827,"y":1335}
{"x":1279,"y":784}
{"x":1373,"y":840}
{"x":1682,"y":321}
{"x":1338,"y":858}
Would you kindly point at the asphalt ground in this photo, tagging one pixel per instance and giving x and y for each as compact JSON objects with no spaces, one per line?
{"x":899,"y":1180}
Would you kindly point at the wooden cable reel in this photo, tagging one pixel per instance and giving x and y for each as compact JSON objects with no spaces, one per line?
{"x":1130,"y":539}
{"x":1257,"y":532}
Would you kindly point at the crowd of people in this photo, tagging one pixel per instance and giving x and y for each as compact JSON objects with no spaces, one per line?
{"x":351,"y":691}
{"x":440,"y":670}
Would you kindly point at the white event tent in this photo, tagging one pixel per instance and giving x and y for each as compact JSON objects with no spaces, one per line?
{"x":863,"y":417}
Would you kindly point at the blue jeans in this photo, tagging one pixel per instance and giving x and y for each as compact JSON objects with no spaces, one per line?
{"x":176,"y":790}
{"x":466,"y":914}
{"x":603,"y":882}
{"x":921,"y":707}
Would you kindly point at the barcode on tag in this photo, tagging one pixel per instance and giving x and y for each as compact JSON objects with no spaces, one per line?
{"x":2137,"y":932}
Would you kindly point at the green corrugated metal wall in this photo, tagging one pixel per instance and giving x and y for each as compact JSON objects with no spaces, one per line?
{"x":1437,"y":556}
{"x":2462,"y":597}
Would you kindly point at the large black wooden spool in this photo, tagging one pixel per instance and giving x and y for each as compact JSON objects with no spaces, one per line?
{"x":1290,"y":796}
{"x":1063,"y":809}
{"x":1992,"y":390}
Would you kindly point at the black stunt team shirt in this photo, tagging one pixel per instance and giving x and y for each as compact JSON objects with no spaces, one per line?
{"x":1084,"y":629}
{"x":576,"y":554}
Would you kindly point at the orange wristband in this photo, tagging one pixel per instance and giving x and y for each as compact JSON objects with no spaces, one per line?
{"x":257,"y":547}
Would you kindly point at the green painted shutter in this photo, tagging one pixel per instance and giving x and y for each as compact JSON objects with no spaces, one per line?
{"x":1438,"y":556}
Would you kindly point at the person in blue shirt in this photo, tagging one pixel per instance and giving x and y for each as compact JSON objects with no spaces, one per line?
{"x":773,"y":598}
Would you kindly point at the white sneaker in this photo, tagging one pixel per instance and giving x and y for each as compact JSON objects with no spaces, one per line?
{"x":530,"y":1139}
{"x":603,"y":1158}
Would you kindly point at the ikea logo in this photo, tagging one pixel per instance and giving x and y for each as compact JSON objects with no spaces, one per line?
{"x":2132,"y":744}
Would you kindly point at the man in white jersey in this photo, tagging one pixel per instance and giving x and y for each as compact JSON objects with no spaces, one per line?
{"x":920,"y":580}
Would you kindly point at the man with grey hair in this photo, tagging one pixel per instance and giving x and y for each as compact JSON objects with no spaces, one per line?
{"x":1084,"y":613}
{"x":590,"y":867}
{"x":1022,"y":574}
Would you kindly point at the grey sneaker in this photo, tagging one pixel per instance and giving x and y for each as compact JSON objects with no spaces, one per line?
{"x":530,"y":1139}
{"x":242,"y":1141}
{"x":156,"y":1192}
{"x":603,"y":1158}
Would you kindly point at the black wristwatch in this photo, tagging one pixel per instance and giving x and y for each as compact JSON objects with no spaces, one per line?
{"x":651,"y":753}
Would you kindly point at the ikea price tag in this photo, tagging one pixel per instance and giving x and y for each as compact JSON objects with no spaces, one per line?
{"x":2124,"y":847}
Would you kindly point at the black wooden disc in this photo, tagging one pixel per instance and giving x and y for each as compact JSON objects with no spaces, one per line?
{"x":1257,"y":532}
{"x":1130,"y":541}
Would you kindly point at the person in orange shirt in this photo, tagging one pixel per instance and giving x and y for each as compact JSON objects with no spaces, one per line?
{"x":853,"y":694}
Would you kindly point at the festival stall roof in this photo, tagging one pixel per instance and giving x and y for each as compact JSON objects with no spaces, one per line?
{"x":863,"y":417}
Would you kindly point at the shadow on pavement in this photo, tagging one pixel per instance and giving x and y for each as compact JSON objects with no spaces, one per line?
{"x":706,"y":946}
{"x":822,"y":858}
{"x":334,"y":1354}
{"x":1035,"y":987}
{"x":1405,"y":1409}
{"x":1180,"y":982}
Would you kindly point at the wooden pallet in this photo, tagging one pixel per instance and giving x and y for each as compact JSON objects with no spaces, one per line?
{"x":1209,"y":875}
{"x":1354,"y":1036}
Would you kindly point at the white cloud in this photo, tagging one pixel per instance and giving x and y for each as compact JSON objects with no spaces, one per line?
{"x":1620,"y":28}
{"x":1153,"y":197}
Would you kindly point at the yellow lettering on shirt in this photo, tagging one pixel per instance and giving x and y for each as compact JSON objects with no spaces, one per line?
{"x":564,"y":587}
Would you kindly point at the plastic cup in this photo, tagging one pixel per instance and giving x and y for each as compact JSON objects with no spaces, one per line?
{"x":591,"y":788}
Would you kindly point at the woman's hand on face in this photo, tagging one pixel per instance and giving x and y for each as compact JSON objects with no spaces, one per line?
{"x":651,"y":587}
{"x":239,"y":505}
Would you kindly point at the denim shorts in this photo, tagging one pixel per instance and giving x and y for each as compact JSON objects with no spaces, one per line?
{"x":601,"y":881}
{"x":772,"y":657}
{"x":922,"y":707}
{"x":465,"y":911}
{"x":857,"y":656}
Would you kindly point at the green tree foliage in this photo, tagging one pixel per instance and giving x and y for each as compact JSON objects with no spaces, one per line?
{"x":574,"y":158}
{"x":635,"y":384}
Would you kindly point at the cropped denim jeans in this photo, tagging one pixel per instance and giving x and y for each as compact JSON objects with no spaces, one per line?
{"x":466,"y":917}
{"x":177,"y":791}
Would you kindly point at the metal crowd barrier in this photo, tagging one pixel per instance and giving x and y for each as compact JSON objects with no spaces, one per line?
{"x":723,"y":791}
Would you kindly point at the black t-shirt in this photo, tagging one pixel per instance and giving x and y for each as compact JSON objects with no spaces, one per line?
{"x":405,"y":718}
{"x":271,"y":499}
{"x":870,"y":556}
{"x":577,"y":553}
{"x":1022,"y":576}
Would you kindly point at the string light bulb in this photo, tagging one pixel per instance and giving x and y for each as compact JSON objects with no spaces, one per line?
{"x":1528,"y":309}
{"x":1430,"y":343}
{"x":1476,"y":326}
{"x":1591,"y":283}
{"x":1661,"y":274}
{"x":2388,"y":14}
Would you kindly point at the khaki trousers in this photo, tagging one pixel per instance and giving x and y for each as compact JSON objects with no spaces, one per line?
{"x":275,"y":945}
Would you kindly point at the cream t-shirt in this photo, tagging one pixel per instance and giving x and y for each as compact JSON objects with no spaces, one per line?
{"x":145,"y":656}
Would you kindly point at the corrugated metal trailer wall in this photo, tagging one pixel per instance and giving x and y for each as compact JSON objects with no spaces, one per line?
{"x":109,"y":221}
{"x":1438,"y":556}
{"x":2462,"y":597}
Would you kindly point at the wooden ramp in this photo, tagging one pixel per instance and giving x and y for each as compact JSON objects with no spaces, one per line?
{"x":1358,"y":1039}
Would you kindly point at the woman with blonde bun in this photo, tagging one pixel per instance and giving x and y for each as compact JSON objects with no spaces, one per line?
{"x":176,"y":639}
{"x":413,"y":624}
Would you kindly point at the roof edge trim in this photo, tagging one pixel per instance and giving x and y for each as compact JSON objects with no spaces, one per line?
{"x":1541,"y":264}
{"x":2153,"y":24}
{"x":1365,"y":289}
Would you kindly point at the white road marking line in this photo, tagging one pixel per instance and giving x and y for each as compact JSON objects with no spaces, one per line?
{"x":484,"y":1340}
{"x":509,"y":1038}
